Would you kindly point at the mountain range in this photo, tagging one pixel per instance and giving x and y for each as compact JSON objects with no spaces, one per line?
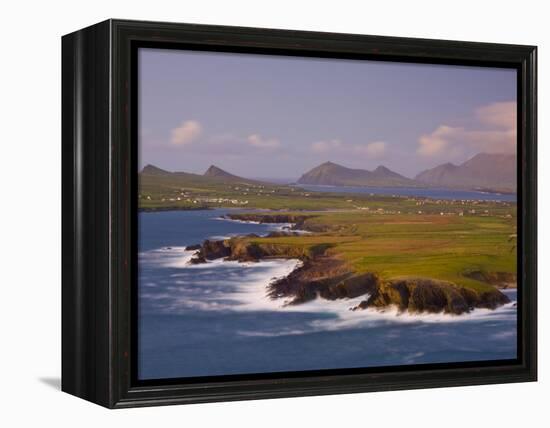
{"x":332,"y":174}
{"x":212,"y":174}
{"x":484,"y":171}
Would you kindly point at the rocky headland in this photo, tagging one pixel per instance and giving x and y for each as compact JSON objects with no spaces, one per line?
{"x":324,"y":275}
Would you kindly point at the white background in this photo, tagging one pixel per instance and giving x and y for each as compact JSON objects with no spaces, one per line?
{"x":30,"y":202}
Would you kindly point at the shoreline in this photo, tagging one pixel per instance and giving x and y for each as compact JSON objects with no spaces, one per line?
{"x":162,"y":209}
{"x":456,"y":189}
{"x":325,"y":276}
{"x":389,"y":192}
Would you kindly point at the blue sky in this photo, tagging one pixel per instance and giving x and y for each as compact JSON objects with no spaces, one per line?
{"x":277,"y":117}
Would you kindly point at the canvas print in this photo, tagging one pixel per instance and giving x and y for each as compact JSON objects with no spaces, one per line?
{"x":302,"y":214}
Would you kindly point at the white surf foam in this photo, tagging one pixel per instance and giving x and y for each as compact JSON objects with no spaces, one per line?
{"x":235,"y":220}
{"x":279,"y":227}
{"x":244,"y":288}
{"x":170,"y":257}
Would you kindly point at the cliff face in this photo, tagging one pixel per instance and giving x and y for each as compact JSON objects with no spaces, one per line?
{"x":325,"y":276}
{"x":416,"y":295}
{"x":244,"y":250}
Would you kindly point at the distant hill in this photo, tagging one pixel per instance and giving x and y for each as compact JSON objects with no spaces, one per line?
{"x":332,"y":174}
{"x":219,"y":174}
{"x":213,"y":174}
{"x":485,"y":171}
{"x":159,"y":173}
{"x":154,"y":170}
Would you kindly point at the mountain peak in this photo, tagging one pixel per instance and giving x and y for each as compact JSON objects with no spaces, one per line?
{"x":494,"y":171}
{"x":382,"y":168}
{"x":449,"y":165}
{"x":214,"y":171}
{"x":332,"y":174}
{"x":154,"y":170}
{"x":329,"y":164}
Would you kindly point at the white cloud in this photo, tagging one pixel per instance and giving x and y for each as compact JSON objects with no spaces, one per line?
{"x":438,"y":141}
{"x":187,"y":132}
{"x":377,"y":149}
{"x":256,"y":140}
{"x":501,"y":115}
{"x":325,"y":146}
{"x":373,"y":150}
{"x":493,"y":131}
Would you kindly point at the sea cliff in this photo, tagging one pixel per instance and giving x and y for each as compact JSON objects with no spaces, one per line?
{"x":325,"y":275}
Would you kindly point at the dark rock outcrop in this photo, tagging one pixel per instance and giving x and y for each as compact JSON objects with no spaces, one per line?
{"x":297,"y":220}
{"x":416,"y":295}
{"x":245,"y":250}
{"x":193,"y":247}
{"x":322,"y":275}
{"x":211,"y":250}
{"x":215,"y":249}
{"x":197,"y":259}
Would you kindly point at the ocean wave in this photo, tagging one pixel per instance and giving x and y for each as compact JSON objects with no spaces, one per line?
{"x":235,"y":220}
{"x":220,"y":285}
{"x":271,"y":227}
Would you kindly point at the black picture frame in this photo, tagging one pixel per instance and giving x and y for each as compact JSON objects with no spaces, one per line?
{"x":99,"y":179}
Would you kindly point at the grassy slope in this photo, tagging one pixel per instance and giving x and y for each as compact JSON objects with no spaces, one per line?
{"x":433,"y":246}
{"x":396,"y":241}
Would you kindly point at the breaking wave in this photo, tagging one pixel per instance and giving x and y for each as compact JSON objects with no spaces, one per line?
{"x":272,"y":227}
{"x":234,"y":286}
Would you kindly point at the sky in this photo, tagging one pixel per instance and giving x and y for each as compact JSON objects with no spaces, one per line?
{"x":267,"y":116}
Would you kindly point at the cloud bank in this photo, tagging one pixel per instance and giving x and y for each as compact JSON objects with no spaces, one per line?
{"x":492,"y":130}
{"x":374,"y":150}
{"x":255,"y":140}
{"x":187,"y":132}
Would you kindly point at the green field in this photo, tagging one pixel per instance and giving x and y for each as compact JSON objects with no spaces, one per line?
{"x":432,"y":246}
{"x":389,"y":235}
{"x":193,"y":191}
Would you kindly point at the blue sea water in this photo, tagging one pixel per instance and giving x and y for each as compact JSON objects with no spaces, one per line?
{"x":435,"y":193}
{"x":214,"y":319}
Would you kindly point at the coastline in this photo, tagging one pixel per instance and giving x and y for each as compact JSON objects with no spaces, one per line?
{"x":225,"y":302}
{"x":158,"y":209}
{"x":345,"y":191}
{"x":325,"y":276}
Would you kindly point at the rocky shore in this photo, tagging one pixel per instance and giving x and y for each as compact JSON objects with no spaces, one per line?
{"x":298,"y":221}
{"x":171,"y":208}
{"x":322,"y":275}
{"x":417,"y":295}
